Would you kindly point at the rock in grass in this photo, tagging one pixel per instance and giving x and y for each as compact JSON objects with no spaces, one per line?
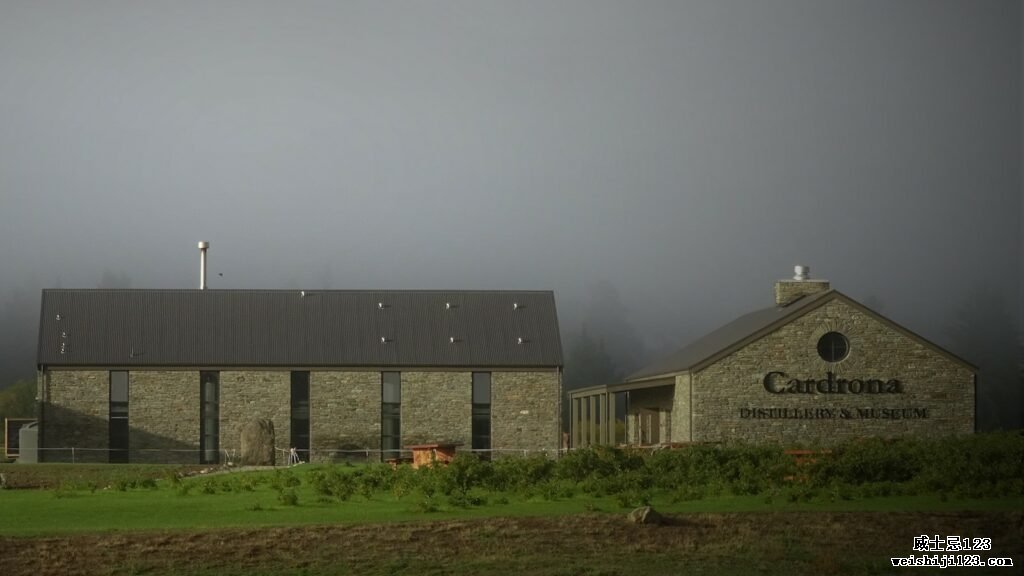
{"x":645,"y":515}
{"x":258,"y":443}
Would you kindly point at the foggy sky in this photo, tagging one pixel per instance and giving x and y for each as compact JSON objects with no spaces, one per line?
{"x":687,"y":154}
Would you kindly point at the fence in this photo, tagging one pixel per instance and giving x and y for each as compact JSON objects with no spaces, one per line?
{"x":78,"y":455}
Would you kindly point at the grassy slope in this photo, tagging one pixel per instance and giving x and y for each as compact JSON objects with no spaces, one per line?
{"x":161,"y":531}
{"x":576,"y":545}
{"x":82,"y":510}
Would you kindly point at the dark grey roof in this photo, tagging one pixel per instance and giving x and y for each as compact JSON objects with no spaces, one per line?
{"x":284,"y":328}
{"x":726,"y":337}
{"x":750,"y":327}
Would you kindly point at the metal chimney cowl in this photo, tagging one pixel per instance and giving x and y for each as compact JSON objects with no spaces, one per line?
{"x":202,"y":264}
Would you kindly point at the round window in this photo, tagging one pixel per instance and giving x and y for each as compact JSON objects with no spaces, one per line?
{"x":833,"y":347}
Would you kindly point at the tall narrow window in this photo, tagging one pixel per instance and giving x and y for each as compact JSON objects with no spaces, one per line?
{"x":300,"y":414}
{"x":390,"y":414}
{"x":482,"y":412}
{"x":118,"y":447}
{"x":209,"y":417}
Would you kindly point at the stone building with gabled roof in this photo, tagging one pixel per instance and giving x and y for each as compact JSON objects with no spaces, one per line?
{"x":817,"y":367}
{"x":175,"y":375}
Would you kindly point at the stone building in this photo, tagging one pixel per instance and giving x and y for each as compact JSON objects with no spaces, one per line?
{"x":174,"y":375}
{"x":817,"y":367}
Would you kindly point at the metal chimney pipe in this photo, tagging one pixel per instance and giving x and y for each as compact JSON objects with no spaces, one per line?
{"x":202,"y":264}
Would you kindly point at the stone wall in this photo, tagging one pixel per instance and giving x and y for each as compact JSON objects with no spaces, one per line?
{"x":163,"y":416}
{"x":344,"y":414}
{"x":254,"y":395}
{"x":681,"y":410}
{"x":345,"y":411}
{"x":437,"y":407}
{"x":937,"y":391}
{"x":787,"y":291}
{"x":75,"y":414}
{"x":525,"y":410}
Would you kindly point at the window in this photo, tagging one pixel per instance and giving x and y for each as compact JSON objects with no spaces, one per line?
{"x":300,"y":414}
{"x":118,"y":446}
{"x":833,"y":347}
{"x":209,"y":417}
{"x":390,"y":414}
{"x":482,"y":412}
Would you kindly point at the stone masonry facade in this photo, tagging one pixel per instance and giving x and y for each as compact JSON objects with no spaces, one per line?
{"x":437,"y":407}
{"x":345,"y":411}
{"x":730,"y":401}
{"x":344,"y":414}
{"x":251,"y":395}
{"x":74,"y":412}
{"x":787,"y":291}
{"x":163,"y":416}
{"x":525,"y":410}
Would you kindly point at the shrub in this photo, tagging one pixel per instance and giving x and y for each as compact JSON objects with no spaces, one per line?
{"x":173,"y":478}
{"x":463,"y":473}
{"x":459,"y":500}
{"x":427,"y":505}
{"x":284,"y":479}
{"x":597,"y":462}
{"x":288,"y":497}
{"x":520,"y":474}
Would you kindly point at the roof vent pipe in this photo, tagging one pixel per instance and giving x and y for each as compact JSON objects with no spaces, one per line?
{"x":202,"y":264}
{"x":801,"y":272}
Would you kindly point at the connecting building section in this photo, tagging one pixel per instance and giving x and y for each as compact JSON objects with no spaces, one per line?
{"x":177,"y":375}
{"x":816,"y":368}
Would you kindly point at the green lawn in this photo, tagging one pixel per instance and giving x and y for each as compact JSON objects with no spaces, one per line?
{"x":98,"y":505}
{"x":104,"y":520}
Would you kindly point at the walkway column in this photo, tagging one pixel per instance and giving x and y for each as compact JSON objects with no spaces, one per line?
{"x":574,"y":425}
{"x":610,"y":420}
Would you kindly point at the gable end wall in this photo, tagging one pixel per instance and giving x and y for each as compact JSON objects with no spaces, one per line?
{"x":931,"y":381}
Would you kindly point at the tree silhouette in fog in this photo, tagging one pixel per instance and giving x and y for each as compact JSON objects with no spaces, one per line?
{"x":111,"y":279}
{"x":985,"y":334}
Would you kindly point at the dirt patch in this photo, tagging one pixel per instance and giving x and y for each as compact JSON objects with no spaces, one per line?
{"x":850,"y":543}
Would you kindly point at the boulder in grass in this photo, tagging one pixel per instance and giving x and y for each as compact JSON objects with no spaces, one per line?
{"x":646,"y":515}
{"x":258,"y":443}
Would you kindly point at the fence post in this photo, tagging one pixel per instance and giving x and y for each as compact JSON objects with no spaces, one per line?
{"x":72,"y":454}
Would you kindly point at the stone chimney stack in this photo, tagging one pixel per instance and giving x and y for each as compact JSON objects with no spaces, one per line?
{"x":788,"y":291}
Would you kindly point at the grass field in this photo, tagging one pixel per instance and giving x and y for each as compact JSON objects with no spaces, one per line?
{"x":570,"y":545}
{"x":507,"y":518}
{"x":48,"y":512}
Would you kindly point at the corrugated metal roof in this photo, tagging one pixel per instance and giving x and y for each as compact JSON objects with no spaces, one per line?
{"x":725,"y":337}
{"x":752,"y":326}
{"x":287,"y":328}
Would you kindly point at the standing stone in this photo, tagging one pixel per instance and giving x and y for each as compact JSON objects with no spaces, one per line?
{"x":645,"y":515}
{"x":258,"y":443}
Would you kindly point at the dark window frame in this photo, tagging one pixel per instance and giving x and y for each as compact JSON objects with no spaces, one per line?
{"x":833,"y":346}
{"x":481,"y":413}
{"x":390,"y":413}
{"x":118,"y":432}
{"x":209,"y":378}
{"x":299,"y":416}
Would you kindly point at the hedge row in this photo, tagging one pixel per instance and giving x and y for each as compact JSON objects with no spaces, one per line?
{"x":980,"y":465}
